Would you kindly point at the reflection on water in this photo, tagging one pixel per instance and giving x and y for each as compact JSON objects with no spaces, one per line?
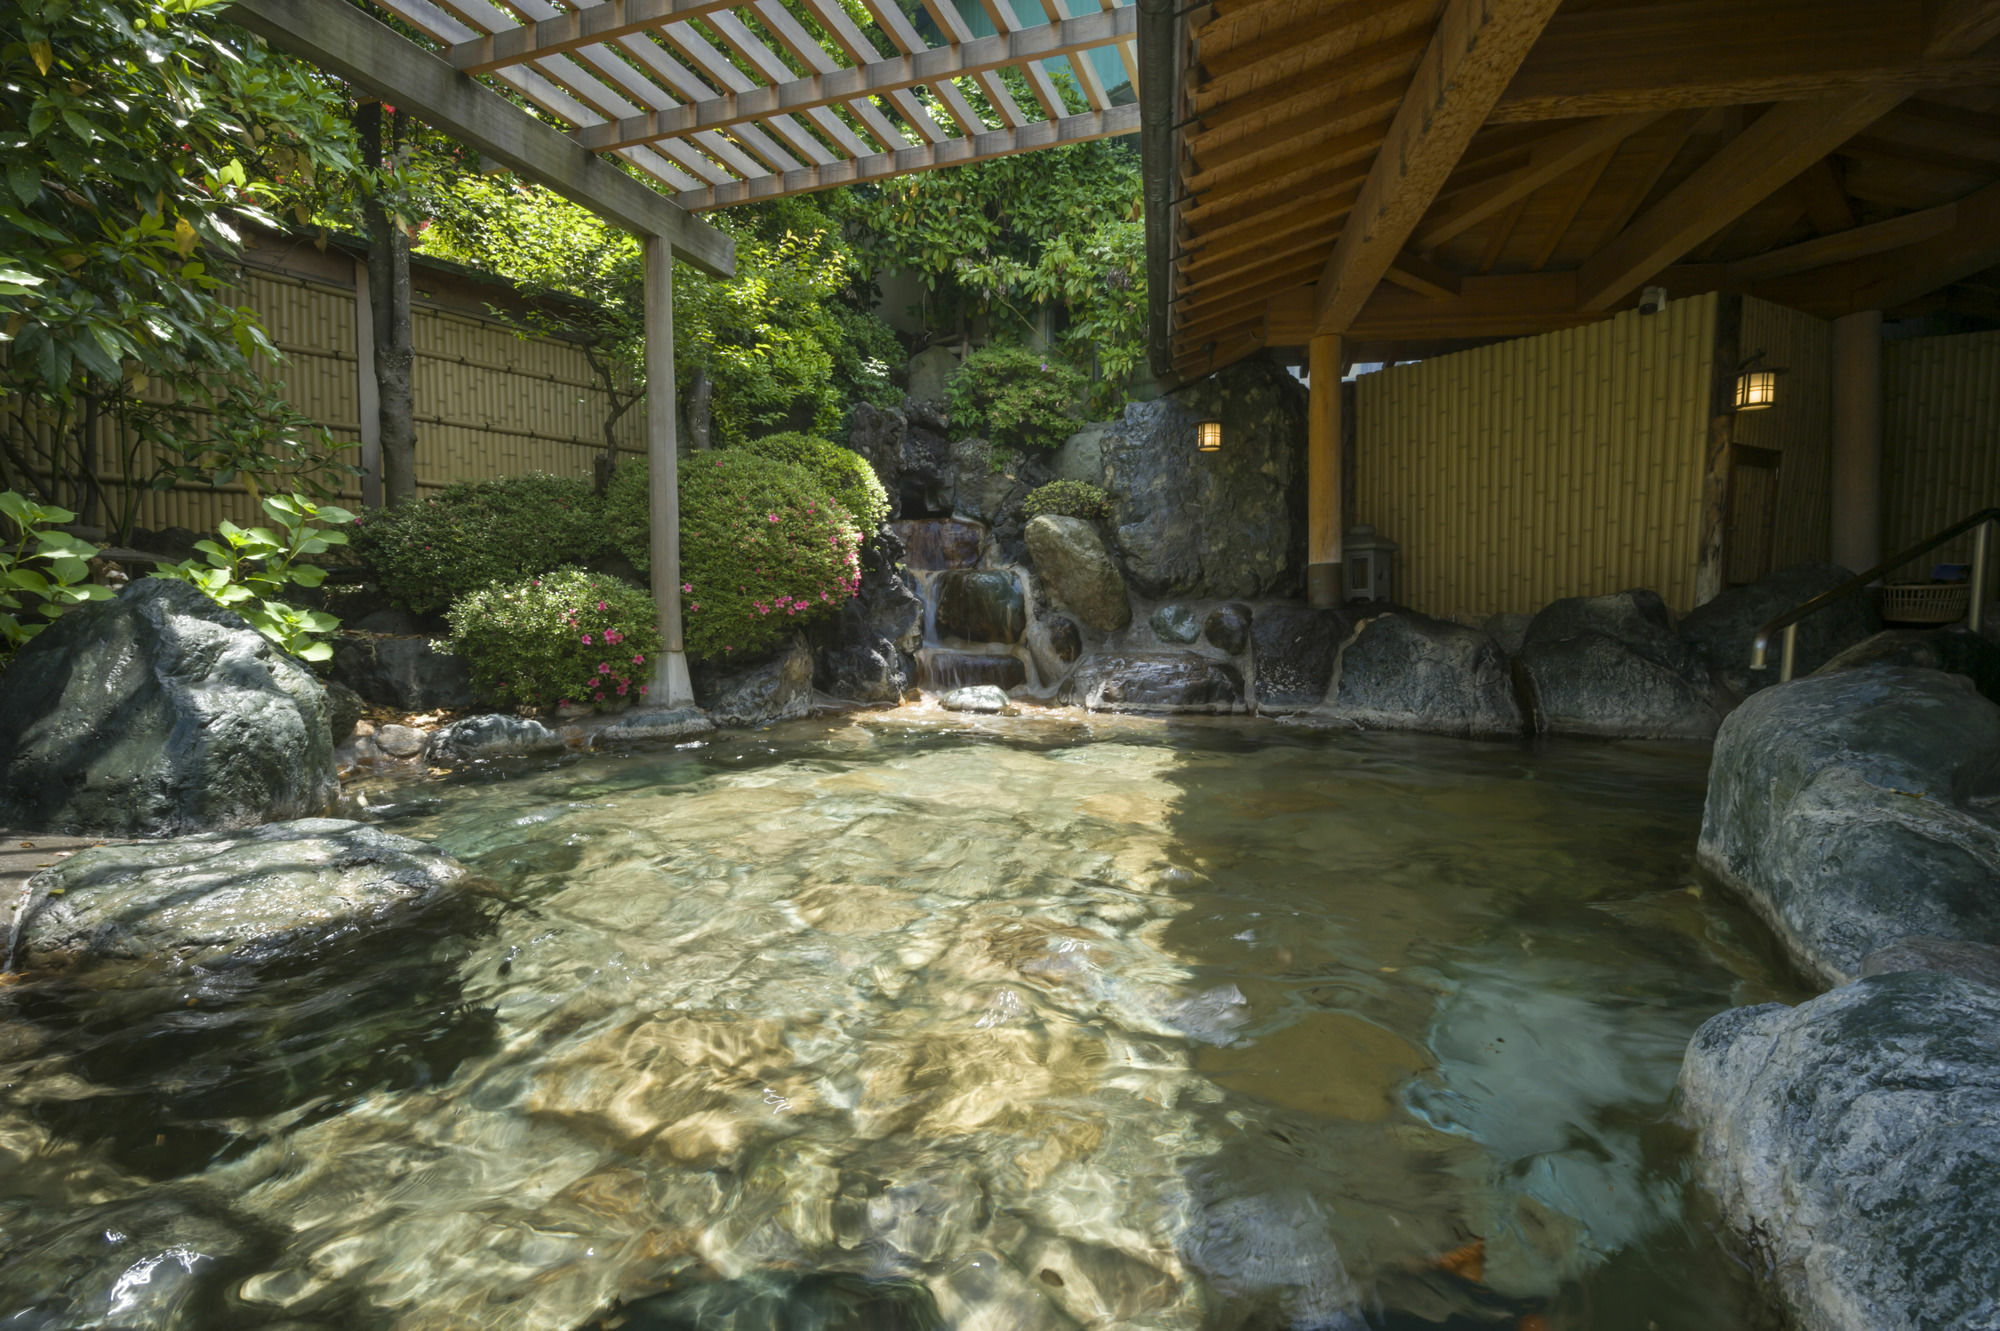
{"x":897,"y":1022}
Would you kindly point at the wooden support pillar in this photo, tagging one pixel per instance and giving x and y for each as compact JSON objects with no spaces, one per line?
{"x":1718,"y":447}
{"x":1323,"y":471}
{"x":1857,"y":440}
{"x":671,"y":686}
{"x":370,"y":399}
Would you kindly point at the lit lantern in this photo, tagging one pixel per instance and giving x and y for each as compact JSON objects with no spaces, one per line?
{"x":1756,"y":389}
{"x":1208,"y":437}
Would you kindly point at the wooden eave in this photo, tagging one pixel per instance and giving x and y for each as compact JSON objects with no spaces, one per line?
{"x":1432,"y":172}
{"x":722,"y":102}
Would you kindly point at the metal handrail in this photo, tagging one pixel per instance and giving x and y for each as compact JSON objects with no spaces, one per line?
{"x":1760,"y":647}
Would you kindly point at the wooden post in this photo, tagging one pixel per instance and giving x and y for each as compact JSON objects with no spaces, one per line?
{"x":370,"y":400}
{"x":1718,"y":446}
{"x":671,"y":686}
{"x":1323,"y":471}
{"x":1857,"y":441}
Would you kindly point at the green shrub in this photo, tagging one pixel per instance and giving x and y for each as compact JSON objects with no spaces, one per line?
{"x":427,"y":552}
{"x":764,"y":549}
{"x":250,"y":569}
{"x":567,"y":638}
{"x":1067,"y":499}
{"x":841,"y":472}
{"x":43,"y":572}
{"x":1015,"y":397}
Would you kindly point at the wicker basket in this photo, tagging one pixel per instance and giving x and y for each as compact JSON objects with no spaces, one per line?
{"x":1925,"y":602}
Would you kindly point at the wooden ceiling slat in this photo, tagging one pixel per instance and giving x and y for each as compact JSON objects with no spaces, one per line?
{"x":1325,"y":150}
{"x":1278,"y":82}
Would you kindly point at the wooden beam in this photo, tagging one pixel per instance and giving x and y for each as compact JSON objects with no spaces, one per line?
{"x":1784,"y":141}
{"x":1959,"y":27}
{"x":1510,"y":306}
{"x":670,"y":686}
{"x":1579,"y":189}
{"x":889,"y":17}
{"x":1413,"y":272}
{"x":1548,"y":162}
{"x":1827,"y":204}
{"x":1854,"y":243}
{"x":345,"y":42}
{"x":902,"y":71}
{"x":1689,"y":53}
{"x":580,"y":27}
{"x":1896,"y":277}
{"x":1478,"y":47}
{"x":924,"y":157}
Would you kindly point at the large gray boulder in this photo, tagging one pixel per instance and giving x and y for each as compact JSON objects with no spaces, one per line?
{"x":406,"y":672}
{"x":777,"y":687}
{"x":495,"y":735}
{"x":1168,"y":682}
{"x":1851,"y":810}
{"x":228,"y":898}
{"x":1952,"y":650}
{"x":1212,"y":525}
{"x":1614,"y":667}
{"x":1079,"y":571}
{"x":1854,"y":1142}
{"x":1723,"y":629}
{"x":159,"y":713}
{"x":1405,"y":671}
{"x":989,"y":485}
{"x":980,"y":605}
{"x":1295,"y":650}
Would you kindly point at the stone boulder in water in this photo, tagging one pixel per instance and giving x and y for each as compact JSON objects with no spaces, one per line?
{"x":228,"y":898}
{"x":777,"y":687}
{"x":1224,"y":524}
{"x":158,"y":713}
{"x":1228,"y":627}
{"x":866,"y":651}
{"x":1723,"y":629}
{"x":1295,"y":649}
{"x":1852,"y":810}
{"x":1855,"y":1144}
{"x":406,"y":672}
{"x":496,"y":735}
{"x":1954,"y":651}
{"x":1080,"y":573}
{"x":1614,"y":667}
{"x":1167,"y":682}
{"x":1406,"y":671}
{"x":981,"y":605}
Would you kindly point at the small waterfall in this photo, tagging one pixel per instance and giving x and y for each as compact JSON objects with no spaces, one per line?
{"x":975,"y":612}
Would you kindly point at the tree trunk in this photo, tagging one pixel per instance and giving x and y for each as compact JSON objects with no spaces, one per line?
{"x":700,"y":418}
{"x":389,"y":287}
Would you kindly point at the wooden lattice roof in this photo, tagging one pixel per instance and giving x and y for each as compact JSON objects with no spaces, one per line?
{"x":1423,"y":172}
{"x":724,"y":101}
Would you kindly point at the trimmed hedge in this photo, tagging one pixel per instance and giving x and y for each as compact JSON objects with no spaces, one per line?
{"x":428,"y":551}
{"x":568,"y":638}
{"x":1014,"y":397}
{"x":842,"y":472}
{"x":1066,"y":499}
{"x":764,"y":548}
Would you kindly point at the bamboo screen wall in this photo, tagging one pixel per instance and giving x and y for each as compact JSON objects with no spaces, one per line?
{"x":1940,"y":439}
{"x":1562,"y":465}
{"x":1800,"y":426}
{"x":488,"y":401}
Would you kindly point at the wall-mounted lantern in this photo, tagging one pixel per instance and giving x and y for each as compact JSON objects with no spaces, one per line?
{"x":1756,"y":386}
{"x":1208,"y":437}
{"x":1370,"y":565}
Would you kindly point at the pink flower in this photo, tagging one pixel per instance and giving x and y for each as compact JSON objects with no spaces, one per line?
{"x":687,"y":586}
{"x":639,"y":659}
{"x":600,"y":695}
{"x":604,"y":667}
{"x":621,"y":690}
{"x":642,"y":687}
{"x":695,"y":606}
{"x":586,"y":640}
{"x":774,"y":518}
{"x":602,"y":606}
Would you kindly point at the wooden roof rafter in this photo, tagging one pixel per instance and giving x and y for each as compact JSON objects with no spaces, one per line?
{"x":726,"y":102}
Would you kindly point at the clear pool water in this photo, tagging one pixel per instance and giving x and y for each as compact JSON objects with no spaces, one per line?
{"x":904,"y":1020}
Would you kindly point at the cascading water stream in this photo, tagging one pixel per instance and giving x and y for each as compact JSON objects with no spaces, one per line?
{"x":975,"y":611}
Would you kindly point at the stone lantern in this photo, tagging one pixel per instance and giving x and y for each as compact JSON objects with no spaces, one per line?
{"x":1370,"y":565}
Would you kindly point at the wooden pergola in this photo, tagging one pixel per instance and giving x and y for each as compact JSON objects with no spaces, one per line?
{"x":720,"y":102}
{"x":1372,"y":179}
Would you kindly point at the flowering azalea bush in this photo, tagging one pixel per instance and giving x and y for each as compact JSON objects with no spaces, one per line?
{"x":429,"y":550}
{"x":564,"y":640}
{"x":764,"y":549}
{"x":841,"y":472}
